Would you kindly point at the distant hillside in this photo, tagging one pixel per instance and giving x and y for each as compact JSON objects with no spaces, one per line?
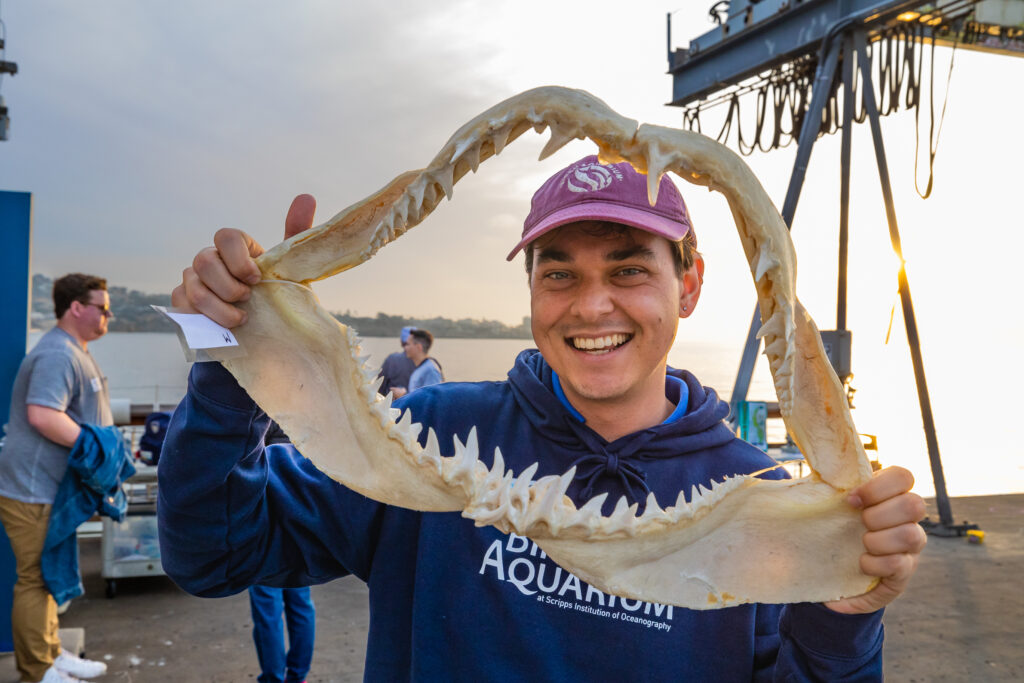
{"x":132,"y":313}
{"x":384,"y":325}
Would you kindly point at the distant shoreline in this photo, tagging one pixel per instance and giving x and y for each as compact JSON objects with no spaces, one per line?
{"x":41,"y":330}
{"x":133,"y":312}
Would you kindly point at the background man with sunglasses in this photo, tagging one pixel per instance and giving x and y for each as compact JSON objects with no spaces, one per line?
{"x":59,"y":386}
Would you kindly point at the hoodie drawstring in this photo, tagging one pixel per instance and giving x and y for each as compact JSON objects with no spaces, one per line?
{"x":590,"y":468}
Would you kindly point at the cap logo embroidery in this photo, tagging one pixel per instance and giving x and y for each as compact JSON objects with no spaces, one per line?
{"x":591,"y":178}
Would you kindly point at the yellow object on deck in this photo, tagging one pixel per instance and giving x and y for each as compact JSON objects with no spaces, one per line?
{"x":975,"y":536}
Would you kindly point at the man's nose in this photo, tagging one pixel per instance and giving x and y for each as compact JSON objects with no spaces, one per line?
{"x":593,"y":300}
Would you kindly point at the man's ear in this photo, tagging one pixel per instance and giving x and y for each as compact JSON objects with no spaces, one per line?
{"x":690,"y":284}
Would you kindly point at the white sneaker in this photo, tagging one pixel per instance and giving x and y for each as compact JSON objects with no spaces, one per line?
{"x":72,"y":665}
{"x":55,"y":675}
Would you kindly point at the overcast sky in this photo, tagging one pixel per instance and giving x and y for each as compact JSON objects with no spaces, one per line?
{"x":142,"y":127}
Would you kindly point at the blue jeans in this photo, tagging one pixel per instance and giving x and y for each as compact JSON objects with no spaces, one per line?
{"x":268,"y":606}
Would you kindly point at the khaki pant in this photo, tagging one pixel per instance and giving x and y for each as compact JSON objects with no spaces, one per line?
{"x":34,"y":615}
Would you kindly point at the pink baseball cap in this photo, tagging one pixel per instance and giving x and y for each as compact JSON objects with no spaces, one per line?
{"x":588,"y":190}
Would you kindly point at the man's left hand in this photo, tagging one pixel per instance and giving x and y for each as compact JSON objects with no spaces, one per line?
{"x":894,"y":539}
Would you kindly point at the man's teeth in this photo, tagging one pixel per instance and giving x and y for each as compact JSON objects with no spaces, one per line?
{"x":598,"y":343}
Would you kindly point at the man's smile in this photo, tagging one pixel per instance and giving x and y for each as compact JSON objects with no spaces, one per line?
{"x":599,"y":345}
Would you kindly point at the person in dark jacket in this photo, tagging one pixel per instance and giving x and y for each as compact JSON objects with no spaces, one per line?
{"x":610,"y":277}
{"x":397,"y":368}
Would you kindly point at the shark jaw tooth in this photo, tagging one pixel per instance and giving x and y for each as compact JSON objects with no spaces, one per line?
{"x":653,"y":186}
{"x":560,"y":137}
{"x":775,"y":350}
{"x":519,"y":496}
{"x":431,"y":453}
{"x":546,"y":507}
{"x":681,"y":508}
{"x":497,"y":471}
{"x":444,"y":177}
{"x":369,"y":387}
{"x":418,"y":191}
{"x":657,"y":164}
{"x":589,"y":515}
{"x":461,"y":469}
{"x":500,"y":138}
{"x":765,"y":262}
{"x":623,"y":518}
{"x":775,"y":327}
{"x":653,"y":514}
{"x":406,"y":432}
{"x":460,"y":149}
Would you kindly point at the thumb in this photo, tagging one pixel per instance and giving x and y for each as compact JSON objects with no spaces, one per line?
{"x":300,"y":215}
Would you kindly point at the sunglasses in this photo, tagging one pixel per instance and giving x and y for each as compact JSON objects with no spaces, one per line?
{"x":103,"y":309}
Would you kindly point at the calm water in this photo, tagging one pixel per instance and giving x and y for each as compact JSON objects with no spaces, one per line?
{"x":977,"y":458}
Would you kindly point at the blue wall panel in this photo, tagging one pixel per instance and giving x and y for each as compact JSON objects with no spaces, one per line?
{"x":16,"y":232}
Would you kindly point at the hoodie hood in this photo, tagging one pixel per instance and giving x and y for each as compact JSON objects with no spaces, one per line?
{"x":603,"y":466}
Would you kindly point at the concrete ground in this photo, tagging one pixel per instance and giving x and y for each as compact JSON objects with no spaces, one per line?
{"x":962,"y":618}
{"x":154,"y":632}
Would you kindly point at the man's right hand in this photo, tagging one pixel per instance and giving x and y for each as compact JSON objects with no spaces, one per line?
{"x":221,"y":276}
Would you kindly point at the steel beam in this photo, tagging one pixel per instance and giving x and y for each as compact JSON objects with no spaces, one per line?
{"x":758,"y":39}
{"x":946,"y":526}
{"x":844,"y":184}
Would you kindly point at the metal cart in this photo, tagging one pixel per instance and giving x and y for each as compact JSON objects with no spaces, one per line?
{"x":131,"y":547}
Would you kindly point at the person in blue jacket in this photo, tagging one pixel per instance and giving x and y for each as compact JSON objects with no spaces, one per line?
{"x":273,"y":608}
{"x":426,"y":370}
{"x":610,"y":277}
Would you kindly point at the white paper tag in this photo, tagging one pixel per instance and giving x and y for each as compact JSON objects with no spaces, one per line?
{"x":200,"y":332}
{"x":97,"y":384}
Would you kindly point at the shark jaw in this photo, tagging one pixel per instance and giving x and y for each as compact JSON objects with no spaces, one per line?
{"x":730,"y":542}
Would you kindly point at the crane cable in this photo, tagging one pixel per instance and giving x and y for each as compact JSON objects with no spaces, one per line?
{"x":933,"y":134}
{"x":787,"y":89}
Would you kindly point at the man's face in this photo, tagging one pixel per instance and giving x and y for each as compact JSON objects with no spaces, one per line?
{"x":412,"y":348}
{"x":96,"y":315}
{"x":605,"y":310}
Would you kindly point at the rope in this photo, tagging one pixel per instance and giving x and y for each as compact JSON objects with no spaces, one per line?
{"x":786,"y":92}
{"x":933,"y":135}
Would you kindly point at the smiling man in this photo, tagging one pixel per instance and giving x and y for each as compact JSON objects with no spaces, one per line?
{"x":610,"y":277}
{"x":609,"y":281}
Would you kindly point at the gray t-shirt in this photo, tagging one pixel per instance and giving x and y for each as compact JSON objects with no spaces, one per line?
{"x":56,"y":374}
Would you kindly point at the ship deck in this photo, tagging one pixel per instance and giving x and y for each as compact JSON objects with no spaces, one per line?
{"x":961,"y":619}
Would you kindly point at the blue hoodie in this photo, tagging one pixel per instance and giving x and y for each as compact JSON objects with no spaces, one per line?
{"x":450,"y":601}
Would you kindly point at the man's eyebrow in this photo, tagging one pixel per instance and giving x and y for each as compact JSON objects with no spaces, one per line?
{"x":548,"y":254}
{"x":636,"y":251}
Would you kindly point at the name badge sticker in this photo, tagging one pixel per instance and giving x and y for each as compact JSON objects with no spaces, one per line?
{"x":97,"y":384}
{"x":197,"y":334}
